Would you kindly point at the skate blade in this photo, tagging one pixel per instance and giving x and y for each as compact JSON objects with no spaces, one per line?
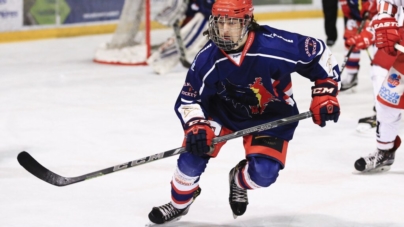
{"x":164,"y":224}
{"x":377,"y":170}
{"x":235,"y":216}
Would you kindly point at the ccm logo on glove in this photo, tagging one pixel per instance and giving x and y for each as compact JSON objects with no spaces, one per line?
{"x":323,"y":90}
{"x":324,"y":105}
{"x":199,"y":121}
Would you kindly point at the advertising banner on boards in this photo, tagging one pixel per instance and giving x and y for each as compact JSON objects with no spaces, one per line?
{"x":93,"y":10}
{"x":10,"y":15}
{"x":59,"y":12}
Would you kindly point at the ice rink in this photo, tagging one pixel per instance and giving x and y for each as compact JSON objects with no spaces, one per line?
{"x":76,"y":117}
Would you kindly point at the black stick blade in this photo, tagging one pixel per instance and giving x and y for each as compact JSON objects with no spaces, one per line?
{"x":38,"y":170}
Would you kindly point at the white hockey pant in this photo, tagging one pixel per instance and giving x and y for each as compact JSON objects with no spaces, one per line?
{"x":388,"y":117}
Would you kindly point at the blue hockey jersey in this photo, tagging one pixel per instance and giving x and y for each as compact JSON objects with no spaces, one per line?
{"x":241,"y":90}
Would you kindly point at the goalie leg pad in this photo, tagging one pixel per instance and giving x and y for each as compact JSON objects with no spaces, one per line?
{"x":173,"y":10}
{"x":192,"y":35}
{"x":167,"y":55}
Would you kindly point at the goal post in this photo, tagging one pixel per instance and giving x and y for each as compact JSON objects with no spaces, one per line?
{"x":131,"y":42}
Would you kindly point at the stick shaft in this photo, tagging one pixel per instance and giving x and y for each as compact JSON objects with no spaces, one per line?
{"x":180,"y":45}
{"x":38,"y":170}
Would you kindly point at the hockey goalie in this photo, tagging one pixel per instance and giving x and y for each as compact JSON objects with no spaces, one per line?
{"x":130,"y":45}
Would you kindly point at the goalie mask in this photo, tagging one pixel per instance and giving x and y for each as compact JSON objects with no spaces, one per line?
{"x":229,"y":23}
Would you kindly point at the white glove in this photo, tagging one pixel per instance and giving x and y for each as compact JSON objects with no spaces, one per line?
{"x":172,"y":11}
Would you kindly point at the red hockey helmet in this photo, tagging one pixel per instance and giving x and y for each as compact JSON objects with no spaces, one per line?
{"x":233,"y":8}
{"x":229,"y":23}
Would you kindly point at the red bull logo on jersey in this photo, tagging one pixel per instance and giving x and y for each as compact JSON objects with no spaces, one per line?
{"x":263,"y":96}
{"x":393,"y":80}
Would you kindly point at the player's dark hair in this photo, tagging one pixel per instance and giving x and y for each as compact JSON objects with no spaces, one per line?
{"x":254,"y":26}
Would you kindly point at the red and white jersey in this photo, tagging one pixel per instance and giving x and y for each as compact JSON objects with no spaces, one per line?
{"x":388,"y":8}
{"x":394,"y":2}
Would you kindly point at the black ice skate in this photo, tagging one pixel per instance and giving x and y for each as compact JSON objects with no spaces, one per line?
{"x":168,"y":213}
{"x":238,"y":198}
{"x":366,"y":123}
{"x":379,"y":161}
{"x":330,"y":42}
{"x":353,"y":82}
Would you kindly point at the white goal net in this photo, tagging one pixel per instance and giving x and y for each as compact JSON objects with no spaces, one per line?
{"x":131,"y":42}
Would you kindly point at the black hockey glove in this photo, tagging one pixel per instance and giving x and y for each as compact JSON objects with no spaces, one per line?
{"x":198,"y":137}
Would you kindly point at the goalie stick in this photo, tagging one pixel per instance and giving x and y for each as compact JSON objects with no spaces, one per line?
{"x":180,"y":45}
{"x":38,"y":170}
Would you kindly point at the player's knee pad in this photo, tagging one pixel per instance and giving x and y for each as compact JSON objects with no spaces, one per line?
{"x":263,"y":170}
{"x":192,"y":165}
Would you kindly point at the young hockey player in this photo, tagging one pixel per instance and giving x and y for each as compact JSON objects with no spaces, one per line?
{"x":381,"y":61}
{"x":389,"y":100}
{"x":354,"y":11}
{"x":239,"y":79}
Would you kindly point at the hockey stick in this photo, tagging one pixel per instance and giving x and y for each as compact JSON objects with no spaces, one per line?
{"x":180,"y":45}
{"x":365,"y":17}
{"x":399,"y":47}
{"x":396,"y":46}
{"x":38,"y":170}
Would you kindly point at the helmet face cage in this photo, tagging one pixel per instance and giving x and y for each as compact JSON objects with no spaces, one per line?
{"x":227,"y":32}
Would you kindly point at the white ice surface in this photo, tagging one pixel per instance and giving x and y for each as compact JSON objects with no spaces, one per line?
{"x":75,"y":117}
